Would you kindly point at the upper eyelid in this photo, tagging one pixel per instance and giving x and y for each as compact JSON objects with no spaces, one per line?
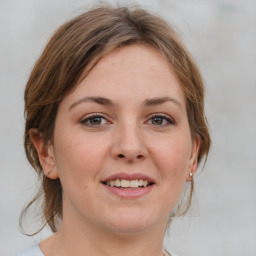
{"x":94,"y":115}
{"x":166,"y":116}
{"x":160,"y":115}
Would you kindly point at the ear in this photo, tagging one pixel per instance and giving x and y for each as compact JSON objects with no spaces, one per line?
{"x":45,"y":154}
{"x":193,"y":158}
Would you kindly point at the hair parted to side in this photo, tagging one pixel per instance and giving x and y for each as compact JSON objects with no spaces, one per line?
{"x":77,"y":46}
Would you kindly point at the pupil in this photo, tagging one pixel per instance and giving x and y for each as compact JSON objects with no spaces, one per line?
{"x":95,"y":120}
{"x":157,"y":120}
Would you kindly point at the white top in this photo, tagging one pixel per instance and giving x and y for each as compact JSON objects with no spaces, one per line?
{"x":35,"y":251}
{"x":32,"y":251}
{"x":168,"y":253}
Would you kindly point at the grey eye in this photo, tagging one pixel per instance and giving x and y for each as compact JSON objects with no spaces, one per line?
{"x":94,"y":121}
{"x":160,"y":120}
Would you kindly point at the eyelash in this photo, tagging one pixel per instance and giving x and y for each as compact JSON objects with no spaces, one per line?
{"x":168,"y":119}
{"x":88,"y":118}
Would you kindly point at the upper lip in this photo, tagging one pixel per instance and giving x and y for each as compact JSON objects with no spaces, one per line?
{"x":129,"y":176}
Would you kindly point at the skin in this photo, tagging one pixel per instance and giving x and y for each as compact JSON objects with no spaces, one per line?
{"x":124,"y":137}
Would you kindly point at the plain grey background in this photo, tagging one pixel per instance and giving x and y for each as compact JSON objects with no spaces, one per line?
{"x":221,"y":36}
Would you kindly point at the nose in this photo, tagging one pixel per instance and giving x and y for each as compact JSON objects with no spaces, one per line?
{"x":129,"y":145}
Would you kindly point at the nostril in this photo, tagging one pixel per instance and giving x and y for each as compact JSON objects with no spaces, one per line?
{"x":137,"y":157}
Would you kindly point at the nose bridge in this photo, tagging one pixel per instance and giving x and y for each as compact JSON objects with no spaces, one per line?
{"x":129,"y":143}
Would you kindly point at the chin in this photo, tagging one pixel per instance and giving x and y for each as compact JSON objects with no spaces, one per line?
{"x":130,"y":222}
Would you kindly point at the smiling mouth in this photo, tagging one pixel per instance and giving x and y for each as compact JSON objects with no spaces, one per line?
{"x":128,"y":184}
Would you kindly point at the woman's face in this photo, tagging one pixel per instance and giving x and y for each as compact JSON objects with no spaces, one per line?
{"x":122,"y":143}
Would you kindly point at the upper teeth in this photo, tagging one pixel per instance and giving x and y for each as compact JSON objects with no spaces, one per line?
{"x":127,"y":183}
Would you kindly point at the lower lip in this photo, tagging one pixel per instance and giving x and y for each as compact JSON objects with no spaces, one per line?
{"x":129,"y":193}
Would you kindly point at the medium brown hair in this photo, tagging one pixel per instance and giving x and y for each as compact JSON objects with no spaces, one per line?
{"x":80,"y":44}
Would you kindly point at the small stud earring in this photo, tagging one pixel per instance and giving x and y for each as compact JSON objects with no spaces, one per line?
{"x":191,"y":175}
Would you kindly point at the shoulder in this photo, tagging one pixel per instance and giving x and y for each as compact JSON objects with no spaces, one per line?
{"x":32,"y":251}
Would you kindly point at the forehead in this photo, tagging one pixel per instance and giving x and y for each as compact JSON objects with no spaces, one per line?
{"x":131,"y":72}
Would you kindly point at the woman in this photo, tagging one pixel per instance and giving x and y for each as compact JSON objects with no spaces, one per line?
{"x":115,"y":128}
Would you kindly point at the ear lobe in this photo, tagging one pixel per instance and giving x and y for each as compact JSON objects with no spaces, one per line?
{"x":193,"y":158}
{"x":45,"y":154}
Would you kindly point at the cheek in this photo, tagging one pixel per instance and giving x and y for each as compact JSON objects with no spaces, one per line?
{"x":173,"y":154}
{"x":78,"y":164}
{"x":79,"y":157}
{"x":172,"y":159}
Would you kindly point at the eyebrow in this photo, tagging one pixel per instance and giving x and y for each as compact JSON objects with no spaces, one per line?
{"x":161,"y":100}
{"x":108,"y":102}
{"x":99,"y":100}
